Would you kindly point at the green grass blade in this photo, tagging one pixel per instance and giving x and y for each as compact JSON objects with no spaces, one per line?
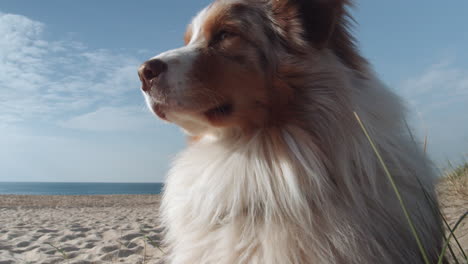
{"x":441,"y":257}
{"x":410,"y":132}
{"x":64,"y":254}
{"x":154,"y":244}
{"x":425,"y":144}
{"x":434,"y":206}
{"x":397,"y":192}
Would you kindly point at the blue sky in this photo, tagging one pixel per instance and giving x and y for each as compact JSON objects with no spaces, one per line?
{"x":71,"y":109}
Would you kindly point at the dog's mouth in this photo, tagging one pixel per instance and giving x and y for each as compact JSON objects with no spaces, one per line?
{"x":159,"y":111}
{"x":213,"y":114}
{"x":220,"y":111}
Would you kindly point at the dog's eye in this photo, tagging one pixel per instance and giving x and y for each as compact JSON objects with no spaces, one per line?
{"x":222,"y":35}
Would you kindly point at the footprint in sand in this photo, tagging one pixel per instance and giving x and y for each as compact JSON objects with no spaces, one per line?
{"x":68,"y":237}
{"x":124,"y":253}
{"x":23,"y":244}
{"x":89,"y":245}
{"x":131,"y":236}
{"x":146,"y":226}
{"x":48,"y":251}
{"x":47,"y":230}
{"x":131,"y":245}
{"x":53,"y":261}
{"x":80,"y":229}
{"x":83,"y":262}
{"x":3,"y":247}
{"x":155,"y":238}
{"x":108,"y":249}
{"x":36,"y":237}
{"x":71,"y":237}
{"x":14,"y":235}
{"x":108,"y":257}
{"x":70,"y":249}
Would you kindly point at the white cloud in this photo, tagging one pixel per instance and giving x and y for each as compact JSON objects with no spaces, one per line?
{"x":52,"y":79}
{"x":441,"y":85}
{"x":51,"y":90}
{"x":108,"y":119}
{"x":439,"y":97}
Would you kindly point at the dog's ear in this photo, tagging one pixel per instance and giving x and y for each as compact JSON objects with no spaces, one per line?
{"x":318,"y":18}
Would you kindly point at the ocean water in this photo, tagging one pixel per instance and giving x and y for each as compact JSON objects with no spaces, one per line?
{"x":59,"y":188}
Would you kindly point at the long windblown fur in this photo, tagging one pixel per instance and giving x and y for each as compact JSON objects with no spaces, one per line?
{"x":308,"y":189}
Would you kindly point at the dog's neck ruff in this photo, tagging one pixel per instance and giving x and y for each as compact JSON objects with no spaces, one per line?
{"x":261,"y":174}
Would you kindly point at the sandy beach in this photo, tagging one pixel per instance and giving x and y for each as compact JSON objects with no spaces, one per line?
{"x":79,"y":229}
{"x":122,"y":228}
{"x":453,"y":201}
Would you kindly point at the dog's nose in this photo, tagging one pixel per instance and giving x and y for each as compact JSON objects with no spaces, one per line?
{"x":149,"y":71}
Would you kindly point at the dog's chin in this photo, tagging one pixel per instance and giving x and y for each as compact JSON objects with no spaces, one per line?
{"x":195,"y":122}
{"x":159,"y":111}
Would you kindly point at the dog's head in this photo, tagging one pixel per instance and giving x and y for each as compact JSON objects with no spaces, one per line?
{"x":238,"y":55}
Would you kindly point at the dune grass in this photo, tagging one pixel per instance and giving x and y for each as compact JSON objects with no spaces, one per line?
{"x":453,"y":196}
{"x":397,"y":191}
{"x":60,"y":250}
{"x":454,"y":183}
{"x":457,"y":175}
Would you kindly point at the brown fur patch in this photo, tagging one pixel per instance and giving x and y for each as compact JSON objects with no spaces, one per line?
{"x":325,"y":24}
{"x":188,"y":35}
{"x":229,"y":82}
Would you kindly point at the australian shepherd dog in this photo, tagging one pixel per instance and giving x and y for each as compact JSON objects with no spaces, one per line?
{"x":277,"y":168}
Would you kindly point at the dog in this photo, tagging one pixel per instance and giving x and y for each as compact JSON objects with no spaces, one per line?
{"x":277,"y":168}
